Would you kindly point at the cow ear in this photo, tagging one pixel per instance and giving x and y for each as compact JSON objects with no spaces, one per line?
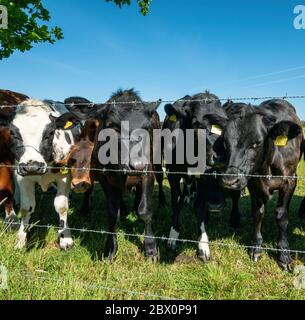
{"x":79,"y":106}
{"x":284,"y":131}
{"x":67,"y":121}
{"x":169,"y":109}
{"x":151,"y":107}
{"x":214,"y":120}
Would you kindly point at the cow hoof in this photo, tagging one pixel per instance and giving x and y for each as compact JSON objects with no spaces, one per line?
{"x":152,"y":259}
{"x":172,"y":245}
{"x":12,"y":223}
{"x":286,"y":267}
{"x":203,"y":255}
{"x":66,"y":243}
{"x":20,"y":245}
{"x":255,"y":255}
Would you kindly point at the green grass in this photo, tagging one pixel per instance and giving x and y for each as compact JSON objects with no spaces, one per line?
{"x":45,"y":272}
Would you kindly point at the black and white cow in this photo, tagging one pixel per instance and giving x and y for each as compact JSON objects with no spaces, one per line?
{"x":38,"y":143}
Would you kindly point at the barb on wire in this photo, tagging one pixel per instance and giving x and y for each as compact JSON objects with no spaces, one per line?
{"x":163,"y":238}
{"x":91,"y":104}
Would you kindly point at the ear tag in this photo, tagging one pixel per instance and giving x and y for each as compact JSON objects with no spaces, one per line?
{"x":173,"y":118}
{"x":216,"y":129}
{"x":68,"y":125}
{"x":281,"y":141}
{"x":64,"y":171}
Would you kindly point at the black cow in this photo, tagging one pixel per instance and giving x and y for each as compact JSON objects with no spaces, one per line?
{"x":124,"y":106}
{"x":266,"y":141}
{"x":189,"y":113}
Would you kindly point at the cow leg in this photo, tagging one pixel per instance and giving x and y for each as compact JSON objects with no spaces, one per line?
{"x":285,"y":195}
{"x":202,"y":213}
{"x":174,"y":181}
{"x":85,"y":207}
{"x":258,"y":211}
{"x":114,"y":198}
{"x":61,"y":204}
{"x":159,"y":178}
{"x":193,"y":191}
{"x":235,"y":214}
{"x":11,"y":218}
{"x":145,"y":212}
{"x":185,"y":199}
{"x":137,"y":199}
{"x":302,"y":209}
{"x":27,"y":207}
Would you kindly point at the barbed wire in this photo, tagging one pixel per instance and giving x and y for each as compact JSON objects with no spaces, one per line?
{"x":164,"y":171}
{"x":30,"y":226}
{"x":92,"y":104}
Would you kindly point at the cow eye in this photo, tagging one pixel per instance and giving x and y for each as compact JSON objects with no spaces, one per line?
{"x":71,"y":162}
{"x":255,"y":145}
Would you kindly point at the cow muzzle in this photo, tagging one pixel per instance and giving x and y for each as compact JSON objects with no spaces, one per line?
{"x":32,"y":168}
{"x":234,"y":180}
{"x":80,"y":187}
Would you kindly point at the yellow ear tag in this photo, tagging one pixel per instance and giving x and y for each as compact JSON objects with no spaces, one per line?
{"x":281,"y":141}
{"x":216,"y":129}
{"x":173,"y":118}
{"x":68,"y":124}
{"x":64,"y":171}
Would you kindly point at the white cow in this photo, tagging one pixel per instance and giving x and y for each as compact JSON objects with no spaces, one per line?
{"x":38,"y":144}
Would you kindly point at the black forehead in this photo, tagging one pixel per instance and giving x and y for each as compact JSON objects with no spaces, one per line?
{"x":134,"y":114}
{"x":248,"y":129}
{"x":200,"y":109}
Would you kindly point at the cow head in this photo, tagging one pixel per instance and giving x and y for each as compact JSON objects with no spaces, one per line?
{"x":124,"y":106}
{"x":79,"y":158}
{"x":33,"y":130}
{"x":250,"y":141}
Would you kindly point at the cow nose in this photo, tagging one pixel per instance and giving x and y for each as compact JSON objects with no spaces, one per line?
{"x":80,"y":187}
{"x":137,"y":165}
{"x":32,"y":168}
{"x":230,"y":181}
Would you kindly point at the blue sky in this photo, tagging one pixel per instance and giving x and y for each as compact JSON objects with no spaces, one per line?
{"x":233,"y":48}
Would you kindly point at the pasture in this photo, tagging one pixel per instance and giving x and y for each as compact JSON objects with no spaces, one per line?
{"x":44,"y":272}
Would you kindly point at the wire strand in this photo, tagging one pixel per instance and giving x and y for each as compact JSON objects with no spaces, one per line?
{"x":286,"y":97}
{"x":162,"y":238}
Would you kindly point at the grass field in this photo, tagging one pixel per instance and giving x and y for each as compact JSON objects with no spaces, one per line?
{"x":45,"y":272}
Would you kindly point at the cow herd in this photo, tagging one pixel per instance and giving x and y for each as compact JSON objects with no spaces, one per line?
{"x":52,"y":143}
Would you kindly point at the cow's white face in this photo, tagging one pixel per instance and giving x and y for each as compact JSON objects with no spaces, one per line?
{"x":37,"y":142}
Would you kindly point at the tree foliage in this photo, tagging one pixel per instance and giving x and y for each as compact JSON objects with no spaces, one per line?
{"x":143,"y":4}
{"x":28,"y":24}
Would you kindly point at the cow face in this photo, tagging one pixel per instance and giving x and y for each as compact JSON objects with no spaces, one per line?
{"x":250,"y":141}
{"x":34,"y":130}
{"x":117,"y":115}
{"x":79,"y":158}
{"x":202,"y":119}
{"x":133,"y":126}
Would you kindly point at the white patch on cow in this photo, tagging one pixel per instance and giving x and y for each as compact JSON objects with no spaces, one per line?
{"x":173,"y":235}
{"x":22,"y":232}
{"x":203,"y":245}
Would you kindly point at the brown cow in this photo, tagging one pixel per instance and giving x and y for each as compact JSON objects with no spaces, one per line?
{"x":8,"y":99}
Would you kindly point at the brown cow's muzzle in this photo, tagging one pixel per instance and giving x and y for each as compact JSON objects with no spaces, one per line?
{"x":80,"y":187}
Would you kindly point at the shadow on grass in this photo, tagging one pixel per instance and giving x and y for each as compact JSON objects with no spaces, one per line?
{"x":217,"y":229}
